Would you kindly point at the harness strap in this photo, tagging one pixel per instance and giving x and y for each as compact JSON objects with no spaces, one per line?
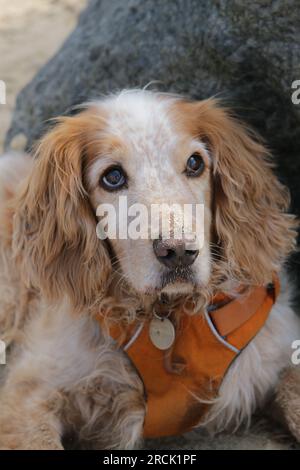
{"x":206,"y":345}
{"x":233,"y":315}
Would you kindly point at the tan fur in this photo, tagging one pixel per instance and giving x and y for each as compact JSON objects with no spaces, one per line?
{"x":251,"y":224}
{"x":64,"y":375}
{"x":288,"y":402}
{"x":55,"y":227}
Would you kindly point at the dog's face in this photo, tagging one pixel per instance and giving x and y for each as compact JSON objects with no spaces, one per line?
{"x":151,"y":149}
{"x":147,"y":157}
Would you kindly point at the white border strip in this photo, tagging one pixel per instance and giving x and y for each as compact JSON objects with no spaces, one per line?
{"x":217,"y":335}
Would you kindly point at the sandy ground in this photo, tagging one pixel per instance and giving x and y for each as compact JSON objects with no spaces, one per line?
{"x":31,"y":31}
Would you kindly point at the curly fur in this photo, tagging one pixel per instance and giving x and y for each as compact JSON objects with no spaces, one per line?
{"x":64,"y":375}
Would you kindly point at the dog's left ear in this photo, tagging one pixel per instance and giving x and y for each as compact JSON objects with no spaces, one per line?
{"x":251,"y":224}
{"x":55,"y":227}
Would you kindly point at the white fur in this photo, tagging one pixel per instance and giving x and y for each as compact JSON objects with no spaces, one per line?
{"x":154,"y":152}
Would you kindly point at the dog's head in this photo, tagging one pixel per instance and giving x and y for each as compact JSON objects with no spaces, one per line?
{"x":154,"y":149}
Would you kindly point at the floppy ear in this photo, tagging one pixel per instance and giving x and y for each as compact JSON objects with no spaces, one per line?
{"x":252,"y":228}
{"x":55,"y":228}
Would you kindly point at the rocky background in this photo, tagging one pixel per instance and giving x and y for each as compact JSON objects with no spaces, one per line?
{"x":247,"y":53}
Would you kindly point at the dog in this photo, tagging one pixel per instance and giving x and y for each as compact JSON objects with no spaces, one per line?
{"x":64,"y":291}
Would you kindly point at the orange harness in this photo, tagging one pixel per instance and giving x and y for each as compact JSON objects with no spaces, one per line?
{"x":206,"y":344}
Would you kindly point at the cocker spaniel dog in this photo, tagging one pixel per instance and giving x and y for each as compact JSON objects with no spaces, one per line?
{"x":110,"y":340}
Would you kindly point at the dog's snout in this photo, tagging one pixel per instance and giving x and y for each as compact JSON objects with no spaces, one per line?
{"x":173,"y":253}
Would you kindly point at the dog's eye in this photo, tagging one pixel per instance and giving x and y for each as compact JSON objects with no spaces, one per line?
{"x":114,"y":178}
{"x":195,"y":165}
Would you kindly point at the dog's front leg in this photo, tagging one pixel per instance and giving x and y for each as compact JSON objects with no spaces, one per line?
{"x":67,"y":378}
{"x":28,"y":417}
{"x":107,"y":412}
{"x":287,"y":400}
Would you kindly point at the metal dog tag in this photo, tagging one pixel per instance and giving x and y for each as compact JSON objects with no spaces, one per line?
{"x":162,"y":333}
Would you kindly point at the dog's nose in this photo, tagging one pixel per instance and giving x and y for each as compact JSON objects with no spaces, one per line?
{"x":174,"y":253}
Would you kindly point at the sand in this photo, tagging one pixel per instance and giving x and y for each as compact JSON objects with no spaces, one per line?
{"x":31,"y":31}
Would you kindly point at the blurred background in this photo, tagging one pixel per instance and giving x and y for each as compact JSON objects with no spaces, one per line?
{"x":31,"y":31}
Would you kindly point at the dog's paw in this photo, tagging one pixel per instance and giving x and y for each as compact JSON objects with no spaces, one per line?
{"x":288,"y":400}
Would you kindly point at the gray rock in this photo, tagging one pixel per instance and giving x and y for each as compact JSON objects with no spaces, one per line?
{"x":246,"y":52}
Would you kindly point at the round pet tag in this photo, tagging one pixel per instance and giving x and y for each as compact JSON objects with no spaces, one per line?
{"x":162,"y":333}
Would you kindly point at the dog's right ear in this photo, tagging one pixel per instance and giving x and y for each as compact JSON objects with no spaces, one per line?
{"x":55,"y":228}
{"x":252,"y":224}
